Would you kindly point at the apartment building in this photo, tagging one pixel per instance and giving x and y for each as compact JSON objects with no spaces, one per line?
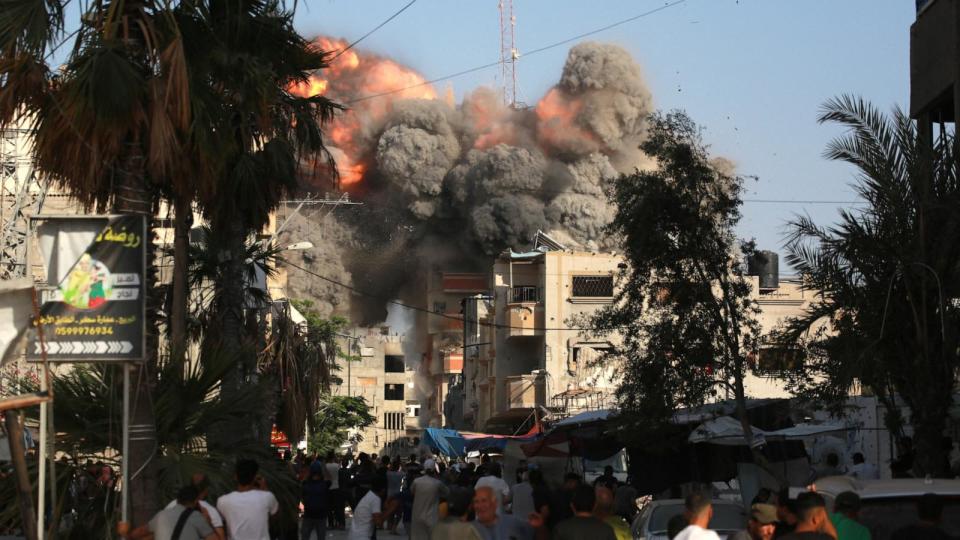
{"x":526,"y":351}
{"x":379,"y":372}
{"x":443,"y":340}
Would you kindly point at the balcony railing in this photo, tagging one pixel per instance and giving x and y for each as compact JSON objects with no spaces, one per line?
{"x":524,"y":294}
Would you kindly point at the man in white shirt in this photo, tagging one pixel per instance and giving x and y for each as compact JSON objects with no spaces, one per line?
{"x":427,"y":492}
{"x":247,"y":509}
{"x":202,"y":483}
{"x":368,"y":515}
{"x":862,"y":470}
{"x":499,"y":486}
{"x":700,"y":512}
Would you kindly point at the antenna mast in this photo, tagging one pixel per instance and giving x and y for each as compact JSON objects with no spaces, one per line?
{"x":508,"y":52}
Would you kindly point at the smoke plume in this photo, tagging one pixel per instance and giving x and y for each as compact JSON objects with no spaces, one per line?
{"x":448,"y":186}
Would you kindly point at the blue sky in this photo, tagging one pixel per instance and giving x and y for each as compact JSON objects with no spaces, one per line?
{"x":753,"y":73}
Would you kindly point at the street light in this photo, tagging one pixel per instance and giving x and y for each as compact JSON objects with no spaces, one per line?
{"x":299,"y":246}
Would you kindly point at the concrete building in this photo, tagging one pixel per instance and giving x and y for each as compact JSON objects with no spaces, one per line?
{"x":442,"y":342}
{"x":379,"y":372}
{"x":526,"y":354}
{"x":935,"y":63}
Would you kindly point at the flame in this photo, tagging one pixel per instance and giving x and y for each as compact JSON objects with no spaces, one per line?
{"x":557,"y":115}
{"x":350,"y":76}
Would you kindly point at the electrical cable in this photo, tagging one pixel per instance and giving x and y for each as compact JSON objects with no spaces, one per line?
{"x":365,"y":36}
{"x":435,"y":313}
{"x":532,"y":52}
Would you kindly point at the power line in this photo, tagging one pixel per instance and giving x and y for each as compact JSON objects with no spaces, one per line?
{"x":379,"y":26}
{"x":532,"y":52}
{"x":430,"y":311}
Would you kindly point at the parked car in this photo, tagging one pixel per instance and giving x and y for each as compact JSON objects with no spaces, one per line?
{"x":888,"y":505}
{"x":651,"y":523}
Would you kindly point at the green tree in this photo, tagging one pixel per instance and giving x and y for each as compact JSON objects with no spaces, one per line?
{"x":886,"y":277}
{"x":336,"y":416}
{"x":683,"y":308}
{"x":96,"y":123}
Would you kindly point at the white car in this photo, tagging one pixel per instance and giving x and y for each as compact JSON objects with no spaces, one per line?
{"x":651,"y":523}
{"x":888,"y":505}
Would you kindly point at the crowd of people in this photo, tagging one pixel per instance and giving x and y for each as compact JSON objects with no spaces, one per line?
{"x":426,"y":499}
{"x":805,"y":517}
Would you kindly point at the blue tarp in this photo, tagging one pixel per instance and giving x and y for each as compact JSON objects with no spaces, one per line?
{"x":447,"y":442}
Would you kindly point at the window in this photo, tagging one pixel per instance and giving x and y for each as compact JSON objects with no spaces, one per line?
{"x":439,"y":307}
{"x":393,"y":420}
{"x":393,"y":363}
{"x":413,"y":411}
{"x":593,"y":286}
{"x":524,"y":293}
{"x":393,"y":392}
{"x":775,"y":361}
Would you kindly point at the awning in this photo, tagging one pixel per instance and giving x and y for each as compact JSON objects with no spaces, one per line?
{"x":727,"y":430}
{"x":585,"y":417}
{"x":447,"y":442}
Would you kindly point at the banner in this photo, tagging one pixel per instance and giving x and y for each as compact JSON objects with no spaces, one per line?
{"x":93,"y":306}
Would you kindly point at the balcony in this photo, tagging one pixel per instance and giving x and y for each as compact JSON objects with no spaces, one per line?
{"x":525,"y":311}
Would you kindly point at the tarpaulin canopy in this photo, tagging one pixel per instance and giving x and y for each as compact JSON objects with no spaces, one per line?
{"x":727,"y":431}
{"x":447,"y":442}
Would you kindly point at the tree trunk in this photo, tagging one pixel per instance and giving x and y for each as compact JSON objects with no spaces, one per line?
{"x":228,"y":335}
{"x":183,"y":219}
{"x":929,"y":457}
{"x":133,"y":196}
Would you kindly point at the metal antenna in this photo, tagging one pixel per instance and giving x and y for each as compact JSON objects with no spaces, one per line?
{"x":508,"y":52}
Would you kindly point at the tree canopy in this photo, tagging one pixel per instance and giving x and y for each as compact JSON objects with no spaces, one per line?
{"x":886,"y":277}
{"x":683,"y":307}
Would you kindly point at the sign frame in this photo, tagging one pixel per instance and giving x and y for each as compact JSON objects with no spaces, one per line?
{"x":108,"y":357}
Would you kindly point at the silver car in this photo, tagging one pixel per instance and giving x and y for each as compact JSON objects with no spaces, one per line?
{"x":651,"y":523}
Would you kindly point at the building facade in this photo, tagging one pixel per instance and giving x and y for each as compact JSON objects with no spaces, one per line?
{"x":378,"y":371}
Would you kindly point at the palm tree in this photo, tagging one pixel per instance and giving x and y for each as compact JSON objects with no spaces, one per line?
{"x":885,"y":276}
{"x":260,"y":133}
{"x":99,"y":132}
{"x":128,"y":119}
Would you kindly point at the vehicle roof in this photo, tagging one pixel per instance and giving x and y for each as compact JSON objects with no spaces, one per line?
{"x":681,"y":502}
{"x":879,"y":489}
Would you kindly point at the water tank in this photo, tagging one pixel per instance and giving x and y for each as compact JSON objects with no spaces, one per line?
{"x":765,"y":264}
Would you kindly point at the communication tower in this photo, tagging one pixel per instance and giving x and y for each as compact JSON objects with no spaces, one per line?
{"x":508,"y":52}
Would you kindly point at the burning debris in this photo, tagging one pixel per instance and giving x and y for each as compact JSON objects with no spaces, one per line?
{"x":449,"y":186}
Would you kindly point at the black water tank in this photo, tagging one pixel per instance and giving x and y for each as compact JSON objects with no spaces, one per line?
{"x":765,"y":264}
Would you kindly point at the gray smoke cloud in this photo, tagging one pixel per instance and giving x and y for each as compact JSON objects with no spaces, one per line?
{"x":447,"y":187}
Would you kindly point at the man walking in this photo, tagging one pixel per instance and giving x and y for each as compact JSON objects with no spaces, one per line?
{"x":813,"y":523}
{"x":700,"y":512}
{"x":247,"y":509}
{"x":583,"y":524}
{"x":368,"y":513}
{"x":315,"y":496}
{"x":185,"y":520}
{"x":846,"y":515}
{"x":762,"y":524}
{"x":202,"y":483}
{"x":499,"y":486}
{"x":427,"y":492}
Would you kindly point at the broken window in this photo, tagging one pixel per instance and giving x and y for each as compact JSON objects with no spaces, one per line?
{"x":392,"y":392}
{"x":393,"y":363}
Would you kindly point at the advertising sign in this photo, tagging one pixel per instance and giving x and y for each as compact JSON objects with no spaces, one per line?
{"x":92,"y":307}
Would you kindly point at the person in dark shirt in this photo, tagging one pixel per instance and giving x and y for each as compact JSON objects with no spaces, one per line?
{"x":314,"y":495}
{"x":813,"y":523}
{"x":929,"y":513}
{"x":561,"y":500}
{"x":607,"y":477}
{"x":583,"y":524}
{"x":541,"y":493}
{"x":786,"y":514}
